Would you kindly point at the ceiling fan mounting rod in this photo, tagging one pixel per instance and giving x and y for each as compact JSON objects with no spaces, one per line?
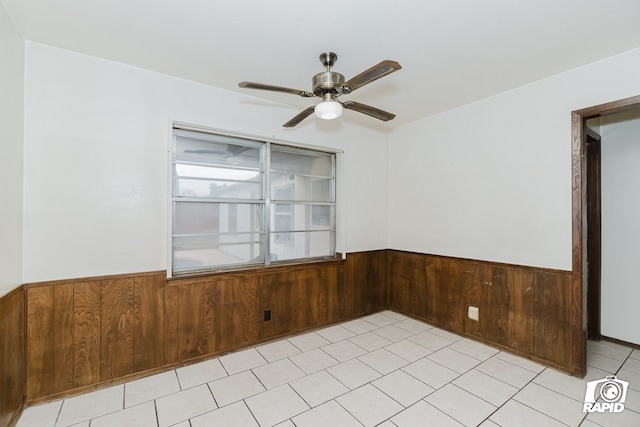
{"x":328,"y":59}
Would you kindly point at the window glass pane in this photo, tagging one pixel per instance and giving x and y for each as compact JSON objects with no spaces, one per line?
{"x":322,"y":216}
{"x":216,"y":218}
{"x":299,"y":245}
{"x":320,"y":190}
{"x":218,"y":173}
{"x":300,"y":217}
{"x":310,"y":174}
{"x":200,"y":253}
{"x":282,"y":192}
{"x":217,"y":189}
{"x":300,"y":162}
{"x":217,"y":150}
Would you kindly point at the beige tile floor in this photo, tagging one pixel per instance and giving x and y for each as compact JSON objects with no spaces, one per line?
{"x":381,"y":370}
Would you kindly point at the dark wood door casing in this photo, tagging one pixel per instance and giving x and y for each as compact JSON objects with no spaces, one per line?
{"x":578,"y":210}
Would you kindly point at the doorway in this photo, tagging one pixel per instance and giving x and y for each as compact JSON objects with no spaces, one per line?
{"x":580,"y":271}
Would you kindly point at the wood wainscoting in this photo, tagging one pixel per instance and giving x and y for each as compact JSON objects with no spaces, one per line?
{"x":88,"y":333}
{"x":98,"y":331}
{"x":525,"y":310}
{"x":11,"y":356}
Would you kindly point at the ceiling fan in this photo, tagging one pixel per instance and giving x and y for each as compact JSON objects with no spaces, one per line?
{"x":329,"y":85}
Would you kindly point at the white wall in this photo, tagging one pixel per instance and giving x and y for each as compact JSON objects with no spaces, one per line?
{"x":11,"y":159}
{"x":620,"y":225}
{"x":96,"y":164}
{"x":492,"y":180}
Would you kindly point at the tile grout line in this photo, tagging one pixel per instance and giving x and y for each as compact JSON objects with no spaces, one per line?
{"x":212,"y":395}
{"x":155,"y":409}
{"x":584,"y":417}
{"x":175,"y":372}
{"x":249,"y":409}
{"x":342,"y":406}
{"x":622,"y":364}
{"x":59,"y":412}
{"x":511,"y":398}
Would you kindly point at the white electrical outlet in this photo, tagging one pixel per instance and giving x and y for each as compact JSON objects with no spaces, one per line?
{"x":474,"y":313}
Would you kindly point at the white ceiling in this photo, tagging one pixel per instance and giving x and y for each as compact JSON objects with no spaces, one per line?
{"x":452,"y":51}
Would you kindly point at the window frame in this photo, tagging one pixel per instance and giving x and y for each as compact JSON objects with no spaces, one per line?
{"x":261,"y":206}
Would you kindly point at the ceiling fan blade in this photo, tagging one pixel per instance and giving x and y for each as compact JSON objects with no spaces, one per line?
{"x":300,"y":117}
{"x":372,"y":74}
{"x":368,"y":110}
{"x":260,"y":86}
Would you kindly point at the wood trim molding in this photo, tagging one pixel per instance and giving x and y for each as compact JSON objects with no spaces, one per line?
{"x":93,"y":278}
{"x":251,"y":271}
{"x":486,"y":262}
{"x":578,"y":334}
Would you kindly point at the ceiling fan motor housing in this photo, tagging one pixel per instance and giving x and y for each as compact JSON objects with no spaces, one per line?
{"x":327,"y":82}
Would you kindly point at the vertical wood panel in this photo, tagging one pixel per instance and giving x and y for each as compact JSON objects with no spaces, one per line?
{"x":408,"y":287}
{"x":325,"y":277}
{"x":209,"y":313}
{"x":170,"y":349}
{"x":377,"y":294}
{"x":250,"y":297}
{"x":190,"y":328}
{"x":40,"y":363}
{"x":495,"y":304}
{"x":12,"y":358}
{"x":63,"y":337}
{"x":347,"y":289}
{"x":522,"y":319}
{"x":551,"y":305}
{"x":278,"y":293}
{"x":148,"y":321}
{"x":116,"y":338}
{"x":365,"y":283}
{"x":333,"y":277}
{"x":86,"y":333}
{"x":350,"y":302}
{"x":470,"y":278}
{"x":457,"y":287}
{"x":435,"y":289}
{"x":310,"y":298}
{"x":229,"y":326}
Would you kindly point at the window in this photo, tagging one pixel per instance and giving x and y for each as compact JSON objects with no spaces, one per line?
{"x":235,"y":200}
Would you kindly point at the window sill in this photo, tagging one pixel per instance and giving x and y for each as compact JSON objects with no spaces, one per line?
{"x":224,"y":274}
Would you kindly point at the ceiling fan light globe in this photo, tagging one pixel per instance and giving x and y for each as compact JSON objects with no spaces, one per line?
{"x":328,"y":110}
